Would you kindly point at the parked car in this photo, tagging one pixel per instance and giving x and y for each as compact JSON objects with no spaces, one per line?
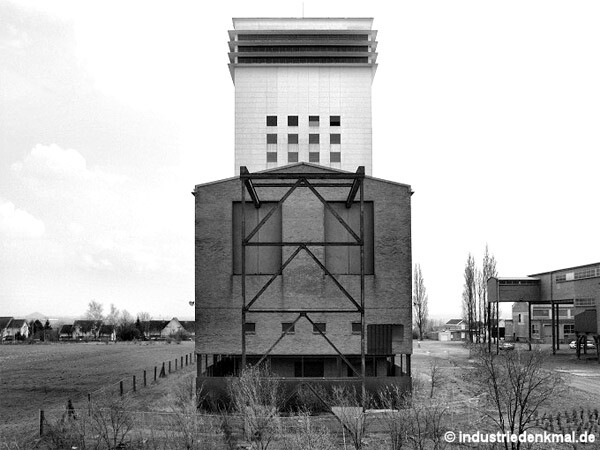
{"x":506,"y":346}
{"x":588,"y":344}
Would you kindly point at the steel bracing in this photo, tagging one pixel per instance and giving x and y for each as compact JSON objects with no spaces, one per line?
{"x":251,"y":184}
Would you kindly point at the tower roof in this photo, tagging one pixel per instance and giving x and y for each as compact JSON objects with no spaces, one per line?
{"x":302,"y":41}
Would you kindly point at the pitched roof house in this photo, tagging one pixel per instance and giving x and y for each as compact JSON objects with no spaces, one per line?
{"x":4,"y":322}
{"x":18,"y":327}
{"x":65,"y":332}
{"x":86,"y":329}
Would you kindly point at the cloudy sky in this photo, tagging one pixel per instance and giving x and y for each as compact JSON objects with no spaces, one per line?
{"x":111,"y":112}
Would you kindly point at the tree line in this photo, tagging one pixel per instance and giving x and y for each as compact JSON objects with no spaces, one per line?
{"x":127,"y":328}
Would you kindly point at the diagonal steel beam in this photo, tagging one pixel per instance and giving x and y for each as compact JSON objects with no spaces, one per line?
{"x":270,"y":213}
{"x":250,"y":187}
{"x":283,"y":334}
{"x":355,"y":185}
{"x":332,"y":211}
{"x":273,"y":278}
{"x":333,"y":346}
{"x":337,"y":283}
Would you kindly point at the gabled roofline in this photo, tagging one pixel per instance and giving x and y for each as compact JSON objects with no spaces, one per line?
{"x":304,"y":164}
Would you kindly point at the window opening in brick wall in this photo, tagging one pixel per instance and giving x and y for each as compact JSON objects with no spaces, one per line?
{"x":335,"y":121}
{"x":271,"y":121}
{"x":250,"y":328}
{"x":319,"y":326}
{"x":286,"y":325}
{"x":313,"y":121}
{"x":292,"y":121}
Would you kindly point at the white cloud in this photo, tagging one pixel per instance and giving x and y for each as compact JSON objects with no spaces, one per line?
{"x":51,"y":162}
{"x":18,"y":223}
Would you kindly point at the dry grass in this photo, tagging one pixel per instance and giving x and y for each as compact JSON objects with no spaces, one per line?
{"x":34,"y":377}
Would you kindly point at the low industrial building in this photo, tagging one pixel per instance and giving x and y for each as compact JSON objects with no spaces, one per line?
{"x":554,"y":306}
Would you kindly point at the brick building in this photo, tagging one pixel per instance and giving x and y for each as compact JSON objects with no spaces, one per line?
{"x":541,"y":323}
{"x":284,"y":311}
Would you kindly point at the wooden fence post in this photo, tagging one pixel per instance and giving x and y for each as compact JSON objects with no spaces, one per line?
{"x":154,"y":373}
{"x":182,"y":362}
{"x":186,"y":360}
{"x":121,"y":387}
{"x":41,"y":422}
{"x":169,"y":366}
{"x":175,"y":364}
{"x":144,"y":378}
{"x":89,"y":404}
{"x":134,"y":383}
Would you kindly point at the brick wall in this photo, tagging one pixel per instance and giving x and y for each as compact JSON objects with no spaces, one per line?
{"x":218,"y":291}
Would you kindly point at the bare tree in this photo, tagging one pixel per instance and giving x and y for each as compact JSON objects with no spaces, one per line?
{"x":144,"y":316}
{"x":94,"y":311}
{"x":112,"y":318}
{"x":488,"y":271}
{"x":517,"y":385}
{"x":437,"y":375}
{"x":420,"y":301}
{"x":469,"y":295}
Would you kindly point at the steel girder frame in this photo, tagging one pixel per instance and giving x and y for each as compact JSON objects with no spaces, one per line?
{"x":355,"y":182}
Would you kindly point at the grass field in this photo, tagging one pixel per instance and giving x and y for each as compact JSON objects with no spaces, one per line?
{"x":34,"y":377}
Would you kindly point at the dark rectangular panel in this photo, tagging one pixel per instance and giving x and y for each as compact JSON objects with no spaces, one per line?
{"x":259,"y":260}
{"x":346,"y":260}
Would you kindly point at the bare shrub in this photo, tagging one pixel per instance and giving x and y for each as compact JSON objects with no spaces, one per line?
{"x":257,"y":395}
{"x":436,"y":375}
{"x":347,"y":404}
{"x":413,"y":418}
{"x":517,"y":386}
{"x":306,"y":435}
{"x":111,"y":422}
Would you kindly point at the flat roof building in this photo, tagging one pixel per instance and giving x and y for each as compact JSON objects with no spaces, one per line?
{"x":571,"y":296}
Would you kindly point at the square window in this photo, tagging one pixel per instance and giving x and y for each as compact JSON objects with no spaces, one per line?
{"x":292,"y":121}
{"x":335,"y":121}
{"x":292,"y":138}
{"x":335,"y":138}
{"x":313,"y":138}
{"x":271,"y":121}
{"x":313,"y":157}
{"x":319,"y":326}
{"x":271,"y":157}
{"x":292,"y":157}
{"x":250,"y":328}
{"x":286,"y":326}
{"x":271,"y":139}
{"x":356,"y":328}
{"x":335,"y":157}
{"x":313,"y":121}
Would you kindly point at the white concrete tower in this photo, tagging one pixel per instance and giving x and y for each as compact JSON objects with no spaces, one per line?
{"x":303,"y":91}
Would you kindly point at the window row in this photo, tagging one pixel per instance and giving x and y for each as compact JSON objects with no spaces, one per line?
{"x":313,"y":121}
{"x":290,"y":327}
{"x":313,"y":157}
{"x":578,"y":275}
{"x":313,"y":138}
